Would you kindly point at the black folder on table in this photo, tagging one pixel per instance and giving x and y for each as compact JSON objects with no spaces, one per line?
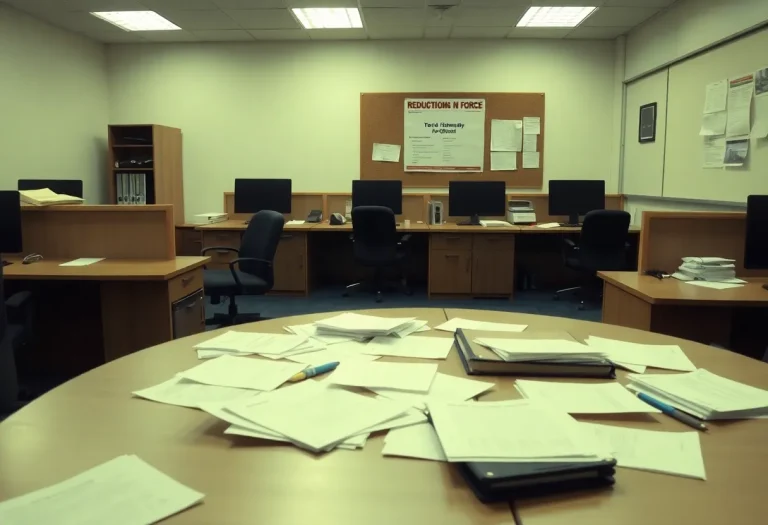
{"x":479,"y":360}
{"x":505,"y":481}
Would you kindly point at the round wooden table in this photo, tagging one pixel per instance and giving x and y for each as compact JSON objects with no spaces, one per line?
{"x":93,"y":418}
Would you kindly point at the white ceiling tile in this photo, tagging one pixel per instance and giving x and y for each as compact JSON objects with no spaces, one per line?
{"x":379,"y":17}
{"x":640,"y":3}
{"x":195,"y":20}
{"x":185,"y":5}
{"x":83,"y":22}
{"x":250,"y":4}
{"x":167,"y":36}
{"x":539,"y":32}
{"x":264,"y":18}
{"x":437,"y":32}
{"x":223,"y":35}
{"x":392,"y":3}
{"x":396,"y":33}
{"x":321,"y":3}
{"x":279,"y":34}
{"x":123,"y":37}
{"x":619,"y":16}
{"x":598,"y":33}
{"x":480,"y":32}
{"x":337,"y":34}
{"x":487,"y":17}
{"x":496,"y":3}
{"x":438,"y":19}
{"x":94,"y":5}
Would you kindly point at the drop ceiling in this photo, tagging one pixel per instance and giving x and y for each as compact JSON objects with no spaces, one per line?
{"x":253,"y":20}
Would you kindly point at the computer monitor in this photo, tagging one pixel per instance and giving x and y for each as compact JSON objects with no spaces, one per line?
{"x":387,"y":193}
{"x":254,"y":195}
{"x":756,"y":239}
{"x":67,"y":187}
{"x":476,"y":198}
{"x":575,"y":197}
{"x":10,"y":222}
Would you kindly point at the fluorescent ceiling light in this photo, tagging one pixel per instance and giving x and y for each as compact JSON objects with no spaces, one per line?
{"x":555,"y":16}
{"x":328,"y":18}
{"x":137,"y":20}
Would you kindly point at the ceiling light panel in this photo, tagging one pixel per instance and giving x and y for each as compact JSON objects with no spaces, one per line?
{"x":555,"y":16}
{"x":329,"y":18}
{"x":137,"y":20}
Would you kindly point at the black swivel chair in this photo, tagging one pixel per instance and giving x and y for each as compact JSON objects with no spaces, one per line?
{"x":602,"y":246}
{"x":377,"y":244}
{"x":251,"y":273}
{"x":15,"y":319}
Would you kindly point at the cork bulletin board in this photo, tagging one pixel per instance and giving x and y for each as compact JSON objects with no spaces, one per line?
{"x":382,"y":121}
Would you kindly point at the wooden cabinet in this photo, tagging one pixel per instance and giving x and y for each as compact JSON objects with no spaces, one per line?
{"x":291,"y":263}
{"x":189,"y":241}
{"x":493,"y":265}
{"x":450,"y":271}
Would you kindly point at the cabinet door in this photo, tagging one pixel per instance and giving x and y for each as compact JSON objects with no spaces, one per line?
{"x":290,"y":263}
{"x":493,"y":272}
{"x":188,"y":242}
{"x":450,"y":271}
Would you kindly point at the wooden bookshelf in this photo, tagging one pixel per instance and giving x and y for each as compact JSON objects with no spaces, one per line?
{"x":154,"y":150}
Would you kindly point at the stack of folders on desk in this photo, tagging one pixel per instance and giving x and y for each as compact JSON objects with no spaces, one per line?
{"x":529,"y":353}
{"x":704,"y":394}
{"x":131,"y":188}
{"x":714,"y":269}
{"x":210,"y":218}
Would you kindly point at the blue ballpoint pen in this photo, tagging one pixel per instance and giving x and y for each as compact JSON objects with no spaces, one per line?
{"x":312,"y":372}
{"x":672,"y":412}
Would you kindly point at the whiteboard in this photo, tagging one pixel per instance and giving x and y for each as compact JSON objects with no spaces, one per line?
{"x":683,"y":175}
{"x":644,"y":163}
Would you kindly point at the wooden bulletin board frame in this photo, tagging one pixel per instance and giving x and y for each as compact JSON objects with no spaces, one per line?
{"x":382,"y":121}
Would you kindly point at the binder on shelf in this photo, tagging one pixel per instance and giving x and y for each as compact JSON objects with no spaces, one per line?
{"x":119,"y":187}
{"x":142,"y":188}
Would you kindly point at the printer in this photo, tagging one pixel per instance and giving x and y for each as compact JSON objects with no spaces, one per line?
{"x":521,"y":212}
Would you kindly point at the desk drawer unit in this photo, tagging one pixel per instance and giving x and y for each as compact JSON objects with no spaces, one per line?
{"x":291,"y":263}
{"x":184,"y":284}
{"x":451,"y":241}
{"x":189,"y":242}
{"x":188,"y":315}
{"x":220,"y":259}
{"x":450,"y":271}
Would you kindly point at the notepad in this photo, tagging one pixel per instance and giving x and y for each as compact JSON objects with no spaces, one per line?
{"x":670,"y":357}
{"x":414,"y":346}
{"x":584,"y":398}
{"x":444,"y":388}
{"x":185,"y":393}
{"x":677,"y":453}
{"x":125,"y":486}
{"x":243,"y":372}
{"x":467,"y":324}
{"x":349,"y":351}
{"x":416,"y":377}
{"x":416,"y":441}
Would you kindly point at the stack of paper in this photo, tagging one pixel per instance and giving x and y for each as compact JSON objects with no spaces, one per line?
{"x":632,"y":355}
{"x":185,"y":393}
{"x":47,"y":197}
{"x":125,"y":490}
{"x":415,"y":377}
{"x":512,"y":431}
{"x":539,"y":349}
{"x":415,"y":441}
{"x":358,"y":325}
{"x":467,"y":324}
{"x":713,"y":269}
{"x":584,"y":398}
{"x":420,"y":347}
{"x":242,"y":372}
{"x":704,"y":394}
{"x":444,"y":388}
{"x":310,"y":330}
{"x":247,"y":343}
{"x":677,"y":453}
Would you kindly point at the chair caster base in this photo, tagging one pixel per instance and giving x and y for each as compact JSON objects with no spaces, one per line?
{"x":379,"y":297}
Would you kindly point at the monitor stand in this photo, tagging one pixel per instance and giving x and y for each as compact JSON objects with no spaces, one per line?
{"x":573,"y":221}
{"x":473,"y":221}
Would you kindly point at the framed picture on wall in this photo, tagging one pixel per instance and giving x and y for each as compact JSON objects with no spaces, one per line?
{"x":647,"y":131}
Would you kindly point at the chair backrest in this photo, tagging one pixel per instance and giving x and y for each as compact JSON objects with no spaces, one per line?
{"x":3,"y":314}
{"x":604,"y":234}
{"x":375,"y":232}
{"x":260,"y":241}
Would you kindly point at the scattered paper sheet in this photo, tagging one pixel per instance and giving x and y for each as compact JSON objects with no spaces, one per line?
{"x":414,"y":346}
{"x":416,"y":441}
{"x":386,"y":152}
{"x":547,"y":225}
{"x":468,"y":324}
{"x":243,"y":372}
{"x":716,"y":97}
{"x":739,"y":104}
{"x":184,"y":393}
{"x":295,"y":222}
{"x":532,"y":125}
{"x":760,"y":129}
{"x":83,"y":261}
{"x":531,"y":159}
{"x":350,"y":351}
{"x":350,"y":323}
{"x":406,"y":419}
{"x":416,"y":377}
{"x":714,"y":152}
{"x":713,"y":123}
{"x":124,"y":489}
{"x":445,"y":388}
{"x":506,"y":135}
{"x":503,"y":161}
{"x":736,"y":152}
{"x":530,"y":142}
{"x":310,"y":330}
{"x":584,"y":398}
{"x":714,"y":285}
{"x":676,"y":453}
{"x":245,"y":343}
{"x":670,"y":357}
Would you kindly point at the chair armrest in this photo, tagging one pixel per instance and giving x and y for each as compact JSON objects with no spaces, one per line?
{"x":246,"y":259}
{"x":17,"y":300}
{"x":19,"y":308}
{"x":570,"y":244}
{"x":405,"y":238}
{"x":226,"y":248}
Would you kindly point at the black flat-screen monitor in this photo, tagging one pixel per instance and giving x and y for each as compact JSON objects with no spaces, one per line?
{"x":576,"y":197}
{"x":10,"y":222}
{"x":387,"y":193}
{"x":756,"y":240}
{"x":254,"y":195}
{"x":476,"y":198}
{"x":67,"y":187}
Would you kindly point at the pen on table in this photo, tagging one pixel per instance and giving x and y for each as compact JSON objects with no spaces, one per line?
{"x":673,"y":412}
{"x":314,"y":371}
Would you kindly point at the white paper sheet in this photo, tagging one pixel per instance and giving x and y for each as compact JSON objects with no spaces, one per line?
{"x":740,"y":92}
{"x":350,"y":351}
{"x":714,"y":152}
{"x":736,"y":151}
{"x":503,"y":161}
{"x":670,"y":357}
{"x":676,"y":453}
{"x":532,"y":125}
{"x":414,"y":346}
{"x":530,"y":142}
{"x":83,"y":261}
{"x":416,"y":441}
{"x":760,"y":127}
{"x":124,"y":490}
{"x":527,"y":349}
{"x":294,"y":222}
{"x":252,"y":343}
{"x":548,"y":225}
{"x":182,"y":392}
{"x":386,"y":152}
{"x":713,"y":123}
{"x":506,"y":135}
{"x":416,"y":377}
{"x":356,"y":324}
{"x":445,"y":388}
{"x":716,"y":96}
{"x":531,"y":159}
{"x":714,"y":285}
{"x":468,"y":324}
{"x":310,"y":330}
{"x":243,"y":372}
{"x":584,"y":398}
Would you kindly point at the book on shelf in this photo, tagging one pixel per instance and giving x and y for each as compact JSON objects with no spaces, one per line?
{"x":131,"y":188}
{"x":47,"y":197}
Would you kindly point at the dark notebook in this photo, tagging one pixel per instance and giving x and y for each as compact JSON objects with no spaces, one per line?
{"x":479,"y":360}
{"x":505,"y":481}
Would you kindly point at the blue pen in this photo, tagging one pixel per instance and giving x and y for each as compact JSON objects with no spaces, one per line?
{"x":312,"y":372}
{"x":672,"y":412}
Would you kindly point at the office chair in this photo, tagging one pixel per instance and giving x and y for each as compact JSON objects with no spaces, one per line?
{"x":15,"y":321}
{"x":376,"y":243}
{"x":251,"y":273}
{"x":602,"y":246}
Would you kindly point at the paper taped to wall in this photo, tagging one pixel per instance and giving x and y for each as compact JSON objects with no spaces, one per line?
{"x":716,"y":97}
{"x":503,"y":160}
{"x":714,"y":152}
{"x":739,"y":103}
{"x":713,"y":123}
{"x":386,"y":152}
{"x":506,"y":135}
{"x":530,"y":159}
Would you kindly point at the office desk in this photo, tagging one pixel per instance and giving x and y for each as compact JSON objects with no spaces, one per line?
{"x":633,"y":230}
{"x":325,"y":226}
{"x":88,"y":315}
{"x":249,"y":481}
{"x":734,"y":318}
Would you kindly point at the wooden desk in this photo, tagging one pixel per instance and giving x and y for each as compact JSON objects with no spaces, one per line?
{"x":325,"y":226}
{"x":734,"y":318}
{"x":633,"y":230}
{"x":250,"y":481}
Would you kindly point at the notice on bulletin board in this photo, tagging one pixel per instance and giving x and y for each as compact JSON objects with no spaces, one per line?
{"x":444,"y":135}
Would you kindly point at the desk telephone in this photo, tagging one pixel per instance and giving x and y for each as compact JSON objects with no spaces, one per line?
{"x":315,"y":216}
